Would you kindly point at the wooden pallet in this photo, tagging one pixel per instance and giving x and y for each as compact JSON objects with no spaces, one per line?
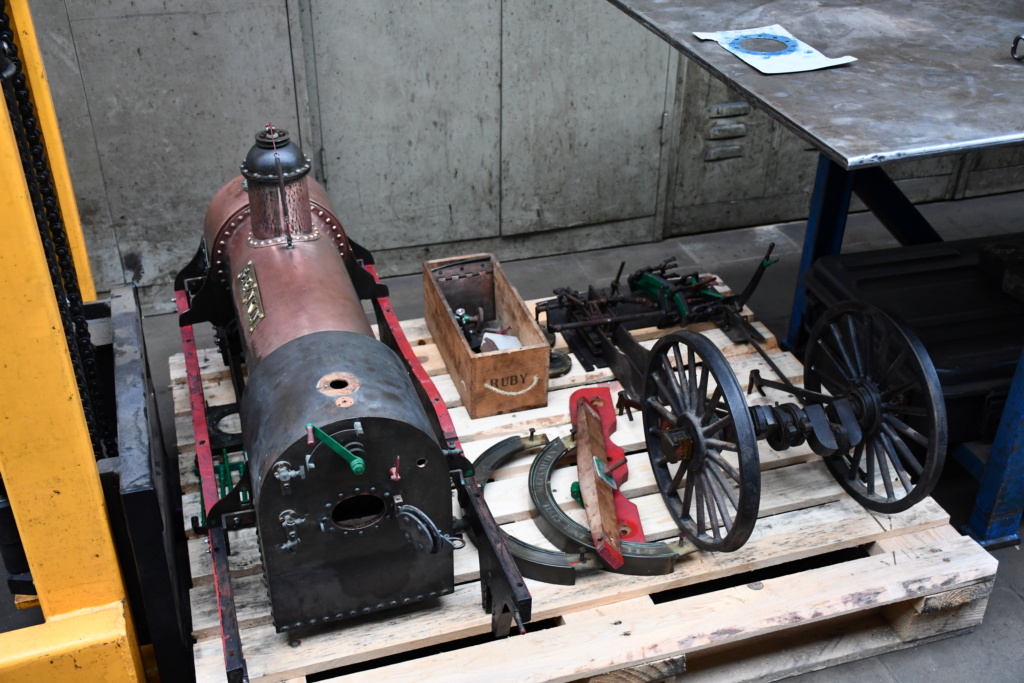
{"x":914,"y":580}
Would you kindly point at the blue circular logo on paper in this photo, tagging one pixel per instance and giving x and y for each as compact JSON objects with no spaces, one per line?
{"x":787,"y":44}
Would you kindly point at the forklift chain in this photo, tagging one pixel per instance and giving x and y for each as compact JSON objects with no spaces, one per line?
{"x":55,"y":246}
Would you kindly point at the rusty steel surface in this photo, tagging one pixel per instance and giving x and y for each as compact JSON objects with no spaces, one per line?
{"x":332,"y":542}
{"x":932,"y":76}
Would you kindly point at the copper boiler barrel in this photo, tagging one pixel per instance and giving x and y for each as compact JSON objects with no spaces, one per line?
{"x":281,"y":258}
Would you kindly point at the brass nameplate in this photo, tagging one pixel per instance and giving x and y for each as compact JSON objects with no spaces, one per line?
{"x":252,"y":305}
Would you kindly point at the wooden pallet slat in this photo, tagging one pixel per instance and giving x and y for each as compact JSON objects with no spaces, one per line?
{"x":917,"y":580}
{"x":782,"y":538}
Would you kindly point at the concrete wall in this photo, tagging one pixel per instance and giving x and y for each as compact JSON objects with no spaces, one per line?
{"x":520,"y":127}
{"x":156,"y":100}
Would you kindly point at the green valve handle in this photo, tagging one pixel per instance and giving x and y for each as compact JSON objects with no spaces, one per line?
{"x":353,"y":460}
{"x":575,"y":492}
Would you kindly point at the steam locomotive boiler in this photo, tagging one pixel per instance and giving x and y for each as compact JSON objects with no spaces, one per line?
{"x":350,"y":456}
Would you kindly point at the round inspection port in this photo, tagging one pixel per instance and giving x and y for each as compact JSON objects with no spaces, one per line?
{"x":422,"y":462}
{"x":358,"y":512}
{"x":336,"y":384}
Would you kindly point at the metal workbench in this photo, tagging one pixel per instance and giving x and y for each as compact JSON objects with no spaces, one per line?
{"x":932,"y":77}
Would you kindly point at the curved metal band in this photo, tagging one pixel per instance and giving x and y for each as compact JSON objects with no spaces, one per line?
{"x":641,"y":559}
{"x":550,"y":566}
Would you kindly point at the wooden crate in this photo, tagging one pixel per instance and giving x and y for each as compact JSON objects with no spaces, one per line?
{"x":494,"y":382}
{"x":900,"y":579}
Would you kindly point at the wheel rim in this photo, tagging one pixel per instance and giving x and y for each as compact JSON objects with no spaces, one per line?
{"x":701,"y":442}
{"x":859,"y":352}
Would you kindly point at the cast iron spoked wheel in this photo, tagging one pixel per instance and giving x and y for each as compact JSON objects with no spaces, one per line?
{"x":701,"y":441}
{"x":859,"y":352}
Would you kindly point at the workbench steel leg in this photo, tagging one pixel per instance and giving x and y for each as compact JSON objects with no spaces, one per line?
{"x":826,"y":223}
{"x":1000,"y":501}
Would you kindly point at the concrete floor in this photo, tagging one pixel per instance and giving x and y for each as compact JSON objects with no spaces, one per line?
{"x":992,"y":652}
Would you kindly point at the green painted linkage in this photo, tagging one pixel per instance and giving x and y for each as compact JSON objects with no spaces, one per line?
{"x":354,"y":461}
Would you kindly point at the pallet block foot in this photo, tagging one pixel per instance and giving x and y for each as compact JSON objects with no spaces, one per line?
{"x":959,"y":609}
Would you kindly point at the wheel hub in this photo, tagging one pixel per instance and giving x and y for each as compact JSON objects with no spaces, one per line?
{"x":867,"y":404}
{"x":684,"y":442}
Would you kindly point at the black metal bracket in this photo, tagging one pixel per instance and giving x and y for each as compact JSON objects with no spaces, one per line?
{"x":234,"y":662}
{"x":219,"y":439}
{"x":541,"y":564}
{"x":503,"y":589}
{"x":367,"y":287}
{"x":206,"y":300}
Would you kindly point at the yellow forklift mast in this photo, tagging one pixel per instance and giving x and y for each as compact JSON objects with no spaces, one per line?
{"x":47,"y":458}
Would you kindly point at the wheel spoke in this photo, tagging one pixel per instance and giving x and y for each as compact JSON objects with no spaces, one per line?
{"x":661,"y":410}
{"x":836,"y":363}
{"x":699,"y":491}
{"x":858,"y":453}
{"x":712,"y":408}
{"x":855,"y":346}
{"x":720,"y":445}
{"x":687,"y":494}
{"x":691,"y":374}
{"x":906,"y":431}
{"x":903,"y":388}
{"x":712,"y":514}
{"x":883,"y":468}
{"x":831,"y":382}
{"x":677,"y":377}
{"x":849,"y":366}
{"x":664,"y":398}
{"x":677,"y":478}
{"x":870,"y":481}
{"x":908,"y":458}
{"x":717,"y":426}
{"x":882,"y":353}
{"x":899,"y":409}
{"x":669,"y":386}
{"x":867,"y":348}
{"x":724,"y":466}
{"x":719,"y":499}
{"x":702,"y":391}
{"x":900,"y":359}
{"x":724,"y":486}
{"x":890,"y":450}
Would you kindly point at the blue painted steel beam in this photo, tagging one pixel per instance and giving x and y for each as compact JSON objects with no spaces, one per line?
{"x":881,"y":195}
{"x":826,"y":223}
{"x":1000,"y":502}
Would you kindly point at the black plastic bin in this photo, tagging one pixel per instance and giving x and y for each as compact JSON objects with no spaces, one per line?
{"x":973,"y":330}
